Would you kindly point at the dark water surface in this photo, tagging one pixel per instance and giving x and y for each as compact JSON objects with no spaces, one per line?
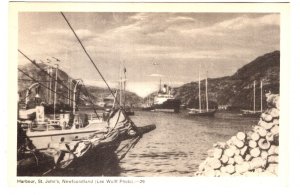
{"x":179,"y":142}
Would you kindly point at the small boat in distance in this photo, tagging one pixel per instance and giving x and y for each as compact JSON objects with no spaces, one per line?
{"x":200,"y":111}
{"x":147,"y":105}
{"x":254,"y":113}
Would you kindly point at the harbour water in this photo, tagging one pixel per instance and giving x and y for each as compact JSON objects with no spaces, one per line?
{"x":179,"y":142}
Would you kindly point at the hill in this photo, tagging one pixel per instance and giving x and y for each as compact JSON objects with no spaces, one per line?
{"x":236,"y":91}
{"x":35,"y":74}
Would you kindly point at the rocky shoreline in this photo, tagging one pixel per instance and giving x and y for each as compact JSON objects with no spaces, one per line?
{"x":255,"y":152}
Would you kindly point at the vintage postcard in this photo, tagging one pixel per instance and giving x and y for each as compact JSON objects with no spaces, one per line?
{"x":137,"y":91}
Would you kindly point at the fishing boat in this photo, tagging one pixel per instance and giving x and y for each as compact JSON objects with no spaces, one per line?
{"x":200,"y":111}
{"x":254,"y":112}
{"x":50,"y":144}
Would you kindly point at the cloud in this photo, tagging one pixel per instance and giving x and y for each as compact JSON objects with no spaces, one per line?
{"x":156,"y":75}
{"x":177,"y":40}
{"x":243,"y":22}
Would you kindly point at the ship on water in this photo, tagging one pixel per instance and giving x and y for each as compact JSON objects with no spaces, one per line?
{"x":165,"y":100}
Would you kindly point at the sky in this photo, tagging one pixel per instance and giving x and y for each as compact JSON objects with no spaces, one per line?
{"x":172,"y":46}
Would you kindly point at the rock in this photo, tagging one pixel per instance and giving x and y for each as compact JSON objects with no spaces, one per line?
{"x":266,"y":117}
{"x":273,"y":100}
{"x":239,"y":143}
{"x":241,"y":136}
{"x":255,"y":152}
{"x":264,"y":155}
{"x":248,"y":157}
{"x":275,"y":130}
{"x":270,"y":137}
{"x":224,"y":159}
{"x":265,"y":125}
{"x":252,"y":144}
{"x":229,"y":152}
{"x":230,"y":169}
{"x":231,"y":161}
{"x":257,"y":162}
{"x":251,"y":153}
{"x":255,"y":136}
{"x":273,"y":159}
{"x":276,"y":121}
{"x":264,"y":144}
{"x":218,"y":153}
{"x":223,"y":170}
{"x":215,"y":164}
{"x":262,"y":132}
{"x":273,"y":112}
{"x":209,"y":173}
{"x":238,"y":159}
{"x":242,"y":168}
{"x":243,"y":150}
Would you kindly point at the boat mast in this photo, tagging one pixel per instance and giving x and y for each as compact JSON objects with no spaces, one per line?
{"x":261,"y":99}
{"x":124,"y":69}
{"x":159,"y":84}
{"x":120,"y":84}
{"x":254,"y":96}
{"x":47,"y":79}
{"x":206,"y":92}
{"x":199,"y":91}
{"x":74,"y":96}
{"x":55,"y":92}
{"x":50,"y":84}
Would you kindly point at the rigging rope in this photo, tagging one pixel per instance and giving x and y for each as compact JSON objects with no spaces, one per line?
{"x":43,"y":84}
{"x":112,"y":93}
{"x":90,"y":100}
{"x":34,"y":63}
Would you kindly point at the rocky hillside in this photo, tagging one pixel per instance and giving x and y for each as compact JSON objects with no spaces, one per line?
{"x":236,"y":91}
{"x":33,"y":72}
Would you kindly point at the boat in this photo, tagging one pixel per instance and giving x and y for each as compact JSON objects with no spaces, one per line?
{"x":164,"y":100}
{"x":254,"y":112}
{"x":147,"y":106}
{"x":122,"y":88}
{"x":200,"y":111}
{"x":53,"y":152}
{"x":50,"y":144}
{"x":64,"y":142}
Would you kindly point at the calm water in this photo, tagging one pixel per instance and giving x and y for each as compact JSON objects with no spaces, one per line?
{"x":179,"y":142}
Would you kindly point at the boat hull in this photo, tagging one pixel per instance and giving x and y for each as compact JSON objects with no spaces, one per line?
{"x":171,"y":105}
{"x":250,"y":113}
{"x":202,"y":113}
{"x":102,"y":160}
{"x":42,"y":139}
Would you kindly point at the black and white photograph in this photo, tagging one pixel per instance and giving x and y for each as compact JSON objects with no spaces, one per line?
{"x":138,"y":93}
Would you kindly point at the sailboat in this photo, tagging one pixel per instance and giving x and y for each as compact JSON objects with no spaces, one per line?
{"x":254,"y":112}
{"x":200,"y":111}
{"x":73,"y":143}
{"x":122,"y":84}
